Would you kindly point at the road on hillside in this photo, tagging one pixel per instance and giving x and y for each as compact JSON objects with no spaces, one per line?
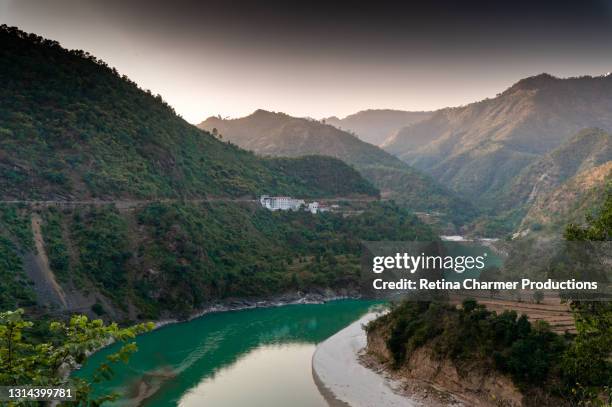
{"x":132,"y":203}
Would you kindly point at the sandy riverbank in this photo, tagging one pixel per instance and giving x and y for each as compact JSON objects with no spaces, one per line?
{"x":343,"y":380}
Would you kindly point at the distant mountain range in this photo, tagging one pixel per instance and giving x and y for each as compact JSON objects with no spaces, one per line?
{"x":479,"y":149}
{"x":278,"y":134}
{"x":376,"y":125}
{"x":505,"y":155}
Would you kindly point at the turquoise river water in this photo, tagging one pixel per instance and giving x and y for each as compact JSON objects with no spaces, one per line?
{"x":258,"y":357}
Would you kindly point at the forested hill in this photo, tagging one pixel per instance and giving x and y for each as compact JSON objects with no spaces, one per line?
{"x":584,"y":151}
{"x":478,"y":149}
{"x":278,"y":134}
{"x":566,"y":183}
{"x":72,"y":128}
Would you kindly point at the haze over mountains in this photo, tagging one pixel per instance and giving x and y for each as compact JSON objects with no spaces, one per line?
{"x":501,"y":154}
{"x":478,"y":149}
{"x":506,"y":155}
{"x":376,"y":125}
{"x":278,"y":134}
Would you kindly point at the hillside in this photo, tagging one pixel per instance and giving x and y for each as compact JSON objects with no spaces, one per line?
{"x":147,"y":216}
{"x":171,"y":259}
{"x":278,"y":134}
{"x":570,"y":201}
{"x":478,"y":149}
{"x":585,"y":151}
{"x":489,"y":356}
{"x":72,"y":128}
{"x":561,"y":185}
{"x":374,"y":126}
{"x":480,"y":357}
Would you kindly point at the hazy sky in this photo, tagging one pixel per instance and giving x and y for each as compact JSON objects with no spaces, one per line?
{"x":316,"y":59}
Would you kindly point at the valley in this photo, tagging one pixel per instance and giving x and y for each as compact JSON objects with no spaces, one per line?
{"x":280,"y":135}
{"x":509,"y":151}
{"x":118,"y":216}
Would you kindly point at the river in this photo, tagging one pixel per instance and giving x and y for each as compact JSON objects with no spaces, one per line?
{"x":258,"y":357}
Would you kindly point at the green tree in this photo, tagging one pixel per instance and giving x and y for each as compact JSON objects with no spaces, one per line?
{"x":23,"y":361}
{"x":587,"y":365}
{"x":598,"y":228}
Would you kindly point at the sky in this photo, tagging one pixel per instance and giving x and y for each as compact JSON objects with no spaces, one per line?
{"x":319,"y":59}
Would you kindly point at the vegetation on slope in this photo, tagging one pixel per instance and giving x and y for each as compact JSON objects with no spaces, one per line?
{"x":178,"y":256}
{"x":573,"y":370}
{"x":278,"y":134}
{"x":332,"y":177}
{"x":582,"y":152}
{"x":72,"y":127}
{"x":569,"y":202}
{"x":478,"y":149}
{"x":14,"y":285}
{"x":559,"y":187}
{"x":15,"y":239}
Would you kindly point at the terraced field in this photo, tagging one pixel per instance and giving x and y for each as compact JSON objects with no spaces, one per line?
{"x":551,"y":310}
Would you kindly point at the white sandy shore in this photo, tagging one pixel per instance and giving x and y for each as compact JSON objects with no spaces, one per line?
{"x":337,"y":369}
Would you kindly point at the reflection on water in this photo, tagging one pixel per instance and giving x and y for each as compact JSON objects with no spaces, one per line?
{"x":214,"y":353}
{"x":277,"y":375}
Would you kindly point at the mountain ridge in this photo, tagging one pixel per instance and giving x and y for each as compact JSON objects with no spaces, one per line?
{"x":376,"y":125}
{"x":477,"y":149}
{"x":582,"y":152}
{"x":278,"y":134}
{"x":72,"y":128}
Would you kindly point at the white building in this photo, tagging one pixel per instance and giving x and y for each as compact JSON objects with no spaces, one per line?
{"x":282,"y":203}
{"x":313,"y":207}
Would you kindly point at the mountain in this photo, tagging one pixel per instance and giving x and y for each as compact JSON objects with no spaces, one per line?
{"x":126,"y":231}
{"x":569,"y":202}
{"x":376,"y":125}
{"x":72,"y":128}
{"x":278,"y":134}
{"x":585,"y":151}
{"x":478,"y":149}
{"x":554,"y":190}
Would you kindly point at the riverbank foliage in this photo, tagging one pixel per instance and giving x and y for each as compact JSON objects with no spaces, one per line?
{"x":25,"y":360}
{"x":574,"y":369}
{"x":178,"y":257}
{"x":527,"y":352}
